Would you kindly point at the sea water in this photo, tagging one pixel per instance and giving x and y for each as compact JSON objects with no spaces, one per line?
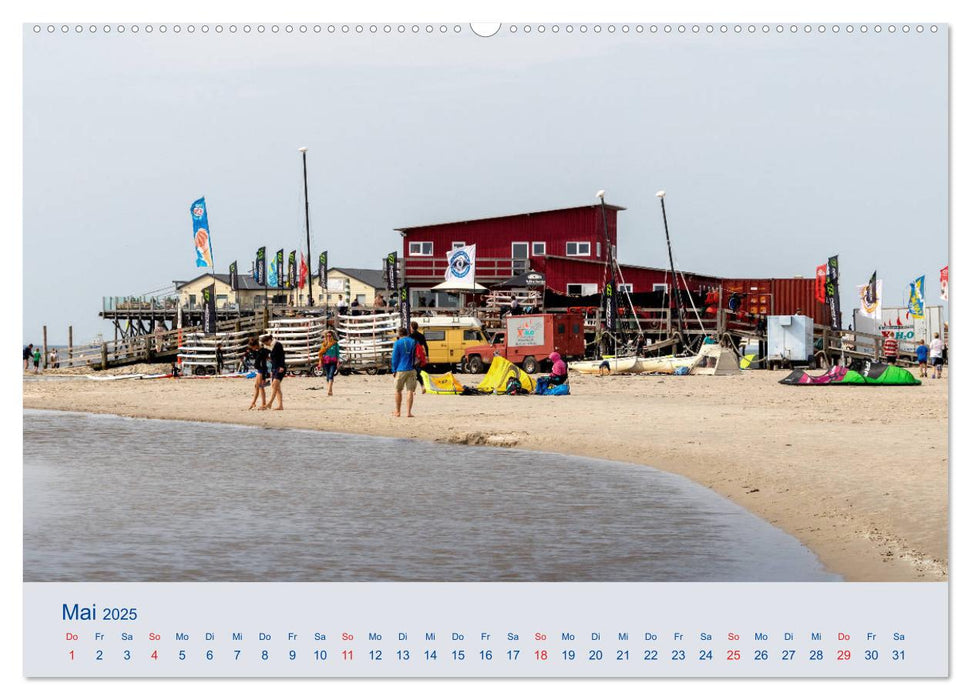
{"x":116,"y":499}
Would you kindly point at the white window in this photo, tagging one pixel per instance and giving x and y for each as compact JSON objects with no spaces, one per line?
{"x":361,"y":299}
{"x":626,"y":287}
{"x":458,"y":244}
{"x":539,"y":247}
{"x":660,"y":288}
{"x":419,"y":247}
{"x":578,"y":248}
{"x":580,"y":288}
{"x":598,"y":249}
{"x":520,"y":257}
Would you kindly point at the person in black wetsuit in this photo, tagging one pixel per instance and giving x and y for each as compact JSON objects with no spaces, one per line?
{"x":258,"y":355}
{"x":278,"y":357}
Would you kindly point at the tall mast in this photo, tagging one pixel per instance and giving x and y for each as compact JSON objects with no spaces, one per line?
{"x":674,"y":278}
{"x":306,"y":211}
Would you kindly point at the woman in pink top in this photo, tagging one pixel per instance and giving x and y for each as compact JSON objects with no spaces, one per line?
{"x":559,"y":373}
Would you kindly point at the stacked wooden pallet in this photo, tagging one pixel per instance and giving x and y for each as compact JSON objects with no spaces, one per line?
{"x":197,"y":353}
{"x":366,"y":341}
{"x":301,"y":339}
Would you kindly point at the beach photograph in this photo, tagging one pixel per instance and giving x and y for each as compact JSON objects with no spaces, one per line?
{"x":518,"y":303}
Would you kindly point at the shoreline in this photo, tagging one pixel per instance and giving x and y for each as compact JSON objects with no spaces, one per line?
{"x":869,"y":516}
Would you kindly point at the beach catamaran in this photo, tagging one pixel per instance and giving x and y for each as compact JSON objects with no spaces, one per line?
{"x":635,"y":364}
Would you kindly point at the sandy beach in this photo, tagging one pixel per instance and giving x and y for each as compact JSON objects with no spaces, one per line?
{"x":858,"y":474}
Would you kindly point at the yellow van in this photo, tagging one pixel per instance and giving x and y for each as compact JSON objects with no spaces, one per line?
{"x":449,"y":336}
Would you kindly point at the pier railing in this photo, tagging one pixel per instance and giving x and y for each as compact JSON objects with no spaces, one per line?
{"x":152,"y":347}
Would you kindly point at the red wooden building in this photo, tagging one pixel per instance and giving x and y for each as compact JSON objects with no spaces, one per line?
{"x":566,"y":246}
{"x":506,"y":244}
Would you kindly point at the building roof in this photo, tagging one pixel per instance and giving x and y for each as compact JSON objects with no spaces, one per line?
{"x":404,"y":230}
{"x":245,"y":279}
{"x":601,"y":263}
{"x":372,"y":278}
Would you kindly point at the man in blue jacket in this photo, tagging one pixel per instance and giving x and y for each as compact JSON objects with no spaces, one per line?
{"x":403,"y":368}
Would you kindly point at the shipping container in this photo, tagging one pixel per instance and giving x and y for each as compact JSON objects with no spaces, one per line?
{"x":777,"y":296}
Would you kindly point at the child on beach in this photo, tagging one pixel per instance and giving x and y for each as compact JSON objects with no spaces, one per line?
{"x":922,"y":352}
{"x":330,"y":355}
{"x":37,"y":360}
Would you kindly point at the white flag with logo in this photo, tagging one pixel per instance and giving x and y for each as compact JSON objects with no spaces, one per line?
{"x":871,"y":299}
{"x":461,"y":265}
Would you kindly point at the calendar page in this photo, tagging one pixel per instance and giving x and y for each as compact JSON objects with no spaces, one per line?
{"x":526,"y":349}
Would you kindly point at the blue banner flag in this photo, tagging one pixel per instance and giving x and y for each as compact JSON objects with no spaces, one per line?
{"x":271,"y":276}
{"x":916,"y":304}
{"x":200,"y":233}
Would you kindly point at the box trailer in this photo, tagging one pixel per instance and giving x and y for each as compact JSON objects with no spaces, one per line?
{"x":528,"y":340}
{"x":897,"y":322}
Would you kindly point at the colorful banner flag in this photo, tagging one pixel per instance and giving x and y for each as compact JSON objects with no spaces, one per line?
{"x":209,"y":309}
{"x":200,"y":232}
{"x":291,"y":269}
{"x":279,"y":269}
{"x":322,"y":273}
{"x":259,"y":272}
{"x":944,"y":274}
{"x":820,"y":287}
{"x":871,"y":297}
{"x":273,"y":276}
{"x":915,"y":307}
{"x":233,"y":276}
{"x":833,"y":292}
{"x":391,"y":270}
{"x":302,"y":274}
{"x":461,"y":264}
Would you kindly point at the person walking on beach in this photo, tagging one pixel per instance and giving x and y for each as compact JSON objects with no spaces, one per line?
{"x":403,"y":369}
{"x":278,"y":358}
{"x":28,"y":355}
{"x":37,"y":360}
{"x":419,"y":338}
{"x":341,"y":305}
{"x":937,"y":355}
{"x":922,"y":352}
{"x":52,"y":359}
{"x":330,"y":355}
{"x":219,"y":358}
{"x":258,"y":355}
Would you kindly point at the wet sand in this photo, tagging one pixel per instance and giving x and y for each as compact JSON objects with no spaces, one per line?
{"x":858,"y":474}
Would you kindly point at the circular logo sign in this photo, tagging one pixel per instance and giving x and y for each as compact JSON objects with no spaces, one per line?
{"x":460,"y":264}
{"x":198,"y":212}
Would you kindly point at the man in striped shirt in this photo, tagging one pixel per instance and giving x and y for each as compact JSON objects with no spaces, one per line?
{"x":890,"y":349}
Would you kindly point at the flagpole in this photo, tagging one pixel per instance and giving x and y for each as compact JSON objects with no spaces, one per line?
{"x":306,"y":211}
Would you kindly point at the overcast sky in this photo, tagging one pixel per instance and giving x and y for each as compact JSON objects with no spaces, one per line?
{"x":776,"y":150}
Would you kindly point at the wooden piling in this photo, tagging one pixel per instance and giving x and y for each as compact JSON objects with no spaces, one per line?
{"x":44,"y":358}
{"x":104,"y":356}
{"x":70,"y":343}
